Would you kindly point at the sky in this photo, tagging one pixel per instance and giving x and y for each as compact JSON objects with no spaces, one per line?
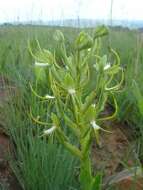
{"x":35,"y":10}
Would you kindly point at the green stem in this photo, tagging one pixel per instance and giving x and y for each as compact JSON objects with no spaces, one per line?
{"x":86,"y":173}
{"x":86,"y":168}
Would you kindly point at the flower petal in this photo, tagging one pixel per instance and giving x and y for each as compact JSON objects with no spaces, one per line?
{"x":38,"y":64}
{"x":50,"y":130}
{"x":49,"y":97}
{"x":94,"y":125}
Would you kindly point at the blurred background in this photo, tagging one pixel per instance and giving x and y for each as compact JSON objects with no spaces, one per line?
{"x":72,"y":12}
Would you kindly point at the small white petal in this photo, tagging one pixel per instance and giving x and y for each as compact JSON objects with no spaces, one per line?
{"x":89,"y":49}
{"x":71,"y":91}
{"x":94,"y":66}
{"x":94,"y":125}
{"x":107,"y":66}
{"x":50,"y":131}
{"x":38,"y":117}
{"x":93,"y":105}
{"x":41,"y":64}
{"x":49,"y":97}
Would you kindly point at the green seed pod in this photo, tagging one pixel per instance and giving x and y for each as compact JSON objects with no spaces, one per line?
{"x":100,"y":31}
{"x":75,"y":151}
{"x":83,"y":41}
{"x":68,"y":81}
{"x":88,"y":101}
{"x":90,"y":114}
{"x":40,"y":74}
{"x":55,"y":120}
{"x":44,"y":59}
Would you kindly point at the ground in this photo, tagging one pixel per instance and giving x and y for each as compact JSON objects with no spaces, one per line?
{"x":7,"y":178}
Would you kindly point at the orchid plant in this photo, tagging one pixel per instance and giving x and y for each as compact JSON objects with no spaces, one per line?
{"x":73,"y":104}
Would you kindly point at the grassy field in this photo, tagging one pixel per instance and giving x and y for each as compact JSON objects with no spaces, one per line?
{"x":41,"y":164}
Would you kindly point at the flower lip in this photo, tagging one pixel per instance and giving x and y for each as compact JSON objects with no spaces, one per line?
{"x":39,"y":64}
{"x":97,"y":127}
{"x":49,"y":97}
{"x":50,"y":130}
{"x":107,"y":66}
{"x":71,"y":91}
{"x":94,"y":125}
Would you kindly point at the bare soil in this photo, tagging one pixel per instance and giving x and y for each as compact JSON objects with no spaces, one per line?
{"x":7,"y":177}
{"x":8,"y":180}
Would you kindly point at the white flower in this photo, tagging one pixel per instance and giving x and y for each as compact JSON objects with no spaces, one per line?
{"x":89,"y":49}
{"x":95,"y":126}
{"x":93,"y":105}
{"x":49,"y":97}
{"x":50,"y":131}
{"x":107,"y":66}
{"x":71,"y":91}
{"x":41,"y":64}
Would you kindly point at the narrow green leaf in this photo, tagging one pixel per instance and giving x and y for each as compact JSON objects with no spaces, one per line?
{"x":97,"y":182}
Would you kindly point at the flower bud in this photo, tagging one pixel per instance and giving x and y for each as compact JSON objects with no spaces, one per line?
{"x":100,"y":31}
{"x":83,"y":41}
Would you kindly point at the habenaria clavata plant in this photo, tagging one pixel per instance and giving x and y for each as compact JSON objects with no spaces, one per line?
{"x":73,"y":104}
